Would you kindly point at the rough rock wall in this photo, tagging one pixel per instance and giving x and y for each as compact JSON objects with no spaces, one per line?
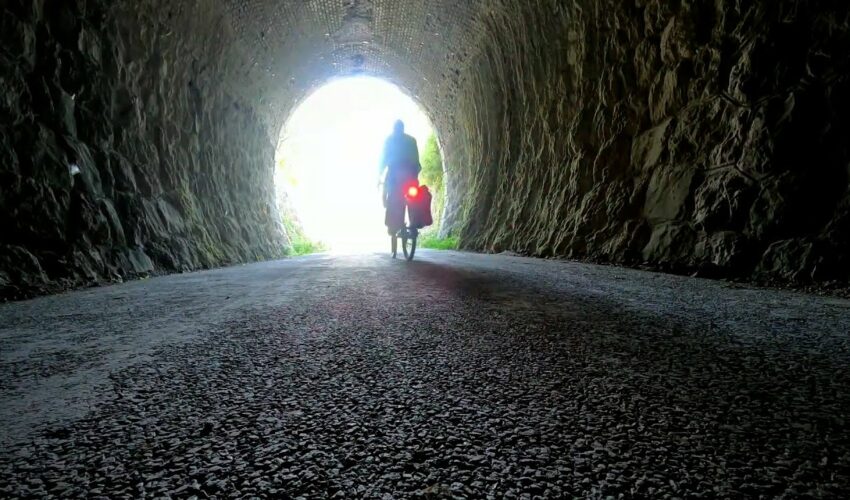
{"x":175,"y":168}
{"x":704,"y":135}
{"x":686,"y":134}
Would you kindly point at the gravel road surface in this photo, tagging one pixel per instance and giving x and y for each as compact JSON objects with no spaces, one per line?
{"x":454,"y":376}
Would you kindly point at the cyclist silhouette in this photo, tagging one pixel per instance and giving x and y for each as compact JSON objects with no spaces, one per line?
{"x":400,"y":159}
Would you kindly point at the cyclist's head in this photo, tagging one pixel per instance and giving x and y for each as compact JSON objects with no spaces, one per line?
{"x":398,"y":127}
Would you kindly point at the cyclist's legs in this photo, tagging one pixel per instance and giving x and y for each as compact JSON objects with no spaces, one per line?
{"x":395,"y":185}
{"x":394,"y":203}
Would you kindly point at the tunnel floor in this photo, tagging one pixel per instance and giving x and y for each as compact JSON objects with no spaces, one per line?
{"x":457,"y":375}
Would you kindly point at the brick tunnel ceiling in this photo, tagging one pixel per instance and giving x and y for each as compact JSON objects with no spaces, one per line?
{"x":420,"y":46}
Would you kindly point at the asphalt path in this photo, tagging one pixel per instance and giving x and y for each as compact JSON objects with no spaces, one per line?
{"x":456,"y":375}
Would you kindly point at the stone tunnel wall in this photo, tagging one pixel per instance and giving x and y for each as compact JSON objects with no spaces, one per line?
{"x":706,"y":136}
{"x":175,"y":167}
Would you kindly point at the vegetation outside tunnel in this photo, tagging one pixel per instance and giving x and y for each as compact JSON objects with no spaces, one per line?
{"x":300,"y":243}
{"x":432,"y":176}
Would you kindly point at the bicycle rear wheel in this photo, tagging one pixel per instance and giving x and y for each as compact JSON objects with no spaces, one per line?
{"x":408,"y":243}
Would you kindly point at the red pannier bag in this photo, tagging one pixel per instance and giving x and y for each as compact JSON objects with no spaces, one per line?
{"x":419,"y":208}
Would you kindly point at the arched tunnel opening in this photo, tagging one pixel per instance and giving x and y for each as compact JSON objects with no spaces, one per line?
{"x":328,"y":164}
{"x":686,"y":136}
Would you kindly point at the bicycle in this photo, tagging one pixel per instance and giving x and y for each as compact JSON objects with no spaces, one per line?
{"x":408,"y":233}
{"x":408,"y":237}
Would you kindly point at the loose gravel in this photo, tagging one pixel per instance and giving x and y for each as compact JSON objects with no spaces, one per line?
{"x":455,"y":376}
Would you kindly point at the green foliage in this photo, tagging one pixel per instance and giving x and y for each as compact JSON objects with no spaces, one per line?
{"x":431,"y":240}
{"x":432,"y":176}
{"x":432,"y":165}
{"x":307,"y":247}
{"x":301,"y":244}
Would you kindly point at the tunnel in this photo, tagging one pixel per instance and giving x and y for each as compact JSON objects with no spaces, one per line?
{"x":650,"y":201}
{"x":704,"y":137}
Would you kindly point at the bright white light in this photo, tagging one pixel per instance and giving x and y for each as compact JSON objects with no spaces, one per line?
{"x":332,"y":146}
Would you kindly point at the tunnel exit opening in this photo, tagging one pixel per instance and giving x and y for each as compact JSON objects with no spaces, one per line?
{"x":327,"y":163}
